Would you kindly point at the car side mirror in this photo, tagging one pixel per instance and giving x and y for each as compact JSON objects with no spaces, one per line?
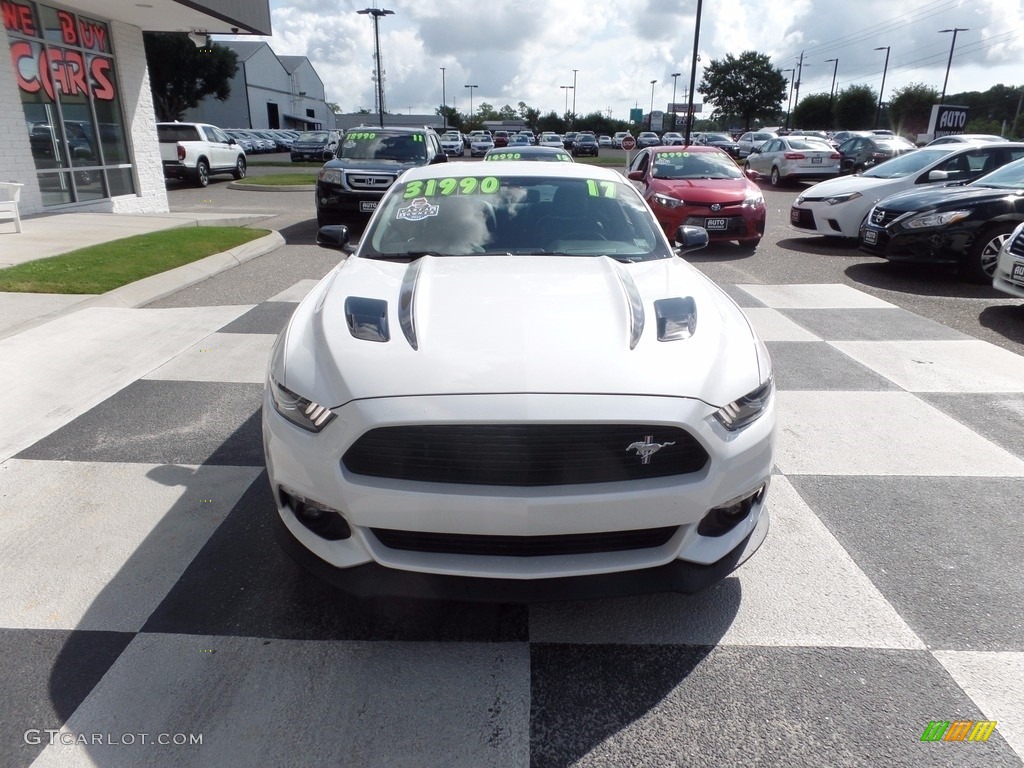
{"x":635,"y":176}
{"x":332,"y":236}
{"x":755,"y":150}
{"x":441,"y":158}
{"x":690,"y":238}
{"x":938,"y":175}
{"x":230,"y":141}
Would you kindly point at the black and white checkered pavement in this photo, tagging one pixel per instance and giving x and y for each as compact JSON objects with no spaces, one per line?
{"x":145,"y":600}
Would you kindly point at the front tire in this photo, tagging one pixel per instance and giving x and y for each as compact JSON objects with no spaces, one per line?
{"x":202,"y":174}
{"x":239,"y":172}
{"x":980,"y":263}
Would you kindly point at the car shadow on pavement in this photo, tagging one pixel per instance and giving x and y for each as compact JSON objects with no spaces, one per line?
{"x":1006,"y":320}
{"x":919,"y":279}
{"x":719,"y":251}
{"x":823,"y":246}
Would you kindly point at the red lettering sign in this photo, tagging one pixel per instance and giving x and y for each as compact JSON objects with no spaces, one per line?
{"x":18,"y":18}
{"x":66,"y":69}
{"x":67,"y":27}
{"x":93,"y":36}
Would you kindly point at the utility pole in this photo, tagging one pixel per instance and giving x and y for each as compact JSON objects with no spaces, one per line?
{"x":572,"y":120}
{"x":799,"y":74}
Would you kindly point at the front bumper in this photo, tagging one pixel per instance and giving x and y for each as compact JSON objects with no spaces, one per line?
{"x":309,"y":465}
{"x":934,"y":246}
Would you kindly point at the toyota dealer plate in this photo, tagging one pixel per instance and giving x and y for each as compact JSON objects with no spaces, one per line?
{"x":714,"y":224}
{"x":368,"y":206}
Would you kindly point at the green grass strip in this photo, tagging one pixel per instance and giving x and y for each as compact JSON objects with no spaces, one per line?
{"x":101,"y":268}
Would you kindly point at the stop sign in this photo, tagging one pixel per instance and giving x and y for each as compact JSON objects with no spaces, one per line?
{"x":628,"y":143}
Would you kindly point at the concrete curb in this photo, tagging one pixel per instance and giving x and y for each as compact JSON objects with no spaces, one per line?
{"x":270,"y":188}
{"x":157,"y":286}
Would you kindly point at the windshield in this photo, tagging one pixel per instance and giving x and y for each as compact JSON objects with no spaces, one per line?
{"x":1010,"y":176}
{"x":906,"y":164}
{"x":695,"y":165}
{"x":464,"y":216}
{"x":314,"y":137}
{"x":379,"y":145}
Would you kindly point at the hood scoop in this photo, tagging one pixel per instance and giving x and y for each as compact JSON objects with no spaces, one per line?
{"x":677,"y":318}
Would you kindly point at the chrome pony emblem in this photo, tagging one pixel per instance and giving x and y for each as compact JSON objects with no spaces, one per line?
{"x":647,"y":448}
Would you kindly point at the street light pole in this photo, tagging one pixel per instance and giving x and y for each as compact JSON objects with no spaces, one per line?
{"x":878,"y":112}
{"x":650,"y":115}
{"x":471,"y":87}
{"x":832,"y":91}
{"x":566,"y":88}
{"x":954,"y":30}
{"x":693,"y":74}
{"x":444,"y":101}
{"x":376,"y":13}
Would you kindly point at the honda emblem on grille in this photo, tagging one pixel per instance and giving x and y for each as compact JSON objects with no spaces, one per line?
{"x":716,"y":207}
{"x":647,"y":448}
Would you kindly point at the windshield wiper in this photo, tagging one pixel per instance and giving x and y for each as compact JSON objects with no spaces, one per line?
{"x":405,"y":255}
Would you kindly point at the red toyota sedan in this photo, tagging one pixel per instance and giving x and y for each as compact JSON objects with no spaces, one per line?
{"x":701,"y":186}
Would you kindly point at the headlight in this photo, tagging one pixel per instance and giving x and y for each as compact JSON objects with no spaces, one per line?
{"x":667,"y":202}
{"x":928,"y":220}
{"x":753,"y":200}
{"x":329,"y":175}
{"x":839,"y":199}
{"x":298,"y":410}
{"x":739,"y":413}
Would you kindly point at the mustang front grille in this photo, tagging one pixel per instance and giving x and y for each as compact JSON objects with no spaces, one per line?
{"x":525,"y":454}
{"x":524,"y":546}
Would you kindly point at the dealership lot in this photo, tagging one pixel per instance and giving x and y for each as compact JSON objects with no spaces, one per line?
{"x":145,"y":593}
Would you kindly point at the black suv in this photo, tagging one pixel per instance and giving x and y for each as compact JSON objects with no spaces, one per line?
{"x":368,"y":162}
{"x":315,"y":145}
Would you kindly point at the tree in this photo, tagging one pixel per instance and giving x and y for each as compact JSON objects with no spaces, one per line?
{"x":181,"y":75}
{"x":813,"y":112}
{"x":910,"y":108}
{"x":747,"y":87}
{"x":855,"y":108}
{"x":333,"y":107}
{"x":451,"y":117}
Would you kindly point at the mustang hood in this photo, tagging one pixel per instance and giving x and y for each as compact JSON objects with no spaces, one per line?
{"x":501,"y":324}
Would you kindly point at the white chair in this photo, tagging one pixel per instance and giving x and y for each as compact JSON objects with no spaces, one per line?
{"x":10,"y":192}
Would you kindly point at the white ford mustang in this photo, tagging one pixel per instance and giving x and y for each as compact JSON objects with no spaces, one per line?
{"x":515,"y":389}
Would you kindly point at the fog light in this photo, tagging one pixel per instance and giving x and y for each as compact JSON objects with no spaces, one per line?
{"x":324,"y":521}
{"x":722,"y":519}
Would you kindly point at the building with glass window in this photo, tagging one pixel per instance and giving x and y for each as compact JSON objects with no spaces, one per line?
{"x":77,"y":123}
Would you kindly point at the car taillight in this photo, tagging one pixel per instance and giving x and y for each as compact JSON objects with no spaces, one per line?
{"x":834,"y":156}
{"x":880,"y":155}
{"x":181,"y":153}
{"x":794,"y":156}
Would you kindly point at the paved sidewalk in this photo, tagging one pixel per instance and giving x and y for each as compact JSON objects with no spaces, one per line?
{"x":44,"y":236}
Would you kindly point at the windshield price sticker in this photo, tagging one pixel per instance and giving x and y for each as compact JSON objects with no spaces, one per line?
{"x":468,"y":185}
{"x":671,"y":154}
{"x":361,"y":136}
{"x":504,"y":156}
{"x":600,"y":188}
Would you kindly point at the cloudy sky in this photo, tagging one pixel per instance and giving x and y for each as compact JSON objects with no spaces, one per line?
{"x":525,"y":51}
